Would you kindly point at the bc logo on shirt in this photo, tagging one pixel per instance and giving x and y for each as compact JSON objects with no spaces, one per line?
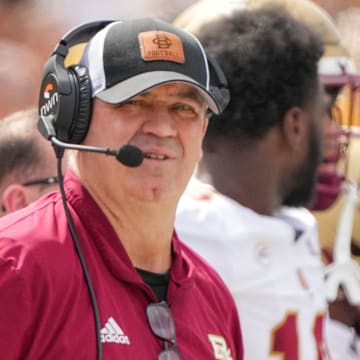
{"x":221,"y":350}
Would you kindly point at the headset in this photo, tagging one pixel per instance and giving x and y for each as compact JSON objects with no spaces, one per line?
{"x":65,"y":109}
{"x":65,"y":92}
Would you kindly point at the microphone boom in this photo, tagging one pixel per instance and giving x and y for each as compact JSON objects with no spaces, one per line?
{"x":128,"y":155}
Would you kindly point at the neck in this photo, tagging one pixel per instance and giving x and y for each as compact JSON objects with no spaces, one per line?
{"x":249,"y":176}
{"x":145,"y":228}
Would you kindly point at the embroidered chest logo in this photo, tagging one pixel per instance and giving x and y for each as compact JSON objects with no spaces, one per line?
{"x":112,"y":333}
{"x":219,"y":345}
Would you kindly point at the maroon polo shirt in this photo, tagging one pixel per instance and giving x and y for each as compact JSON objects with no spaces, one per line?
{"x":45,"y":308}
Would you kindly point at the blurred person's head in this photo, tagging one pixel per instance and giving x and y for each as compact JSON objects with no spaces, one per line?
{"x":28,"y":166}
{"x":271,"y":63}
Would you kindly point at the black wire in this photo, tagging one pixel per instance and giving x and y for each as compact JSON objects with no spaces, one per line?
{"x":59,"y":154}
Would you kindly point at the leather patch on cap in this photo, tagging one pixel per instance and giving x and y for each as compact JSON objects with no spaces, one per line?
{"x":161,"y":45}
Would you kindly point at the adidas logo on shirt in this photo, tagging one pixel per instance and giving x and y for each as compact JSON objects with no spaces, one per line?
{"x":112,"y":333}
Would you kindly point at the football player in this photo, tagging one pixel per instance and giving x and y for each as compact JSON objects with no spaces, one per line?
{"x":340,"y":79}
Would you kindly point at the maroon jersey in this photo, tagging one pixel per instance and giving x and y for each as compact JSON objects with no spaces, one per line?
{"x":46,"y":312}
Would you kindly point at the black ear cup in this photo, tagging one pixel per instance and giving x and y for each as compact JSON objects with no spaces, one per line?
{"x":83,"y":106}
{"x":65,"y":94}
{"x":218,"y":83}
{"x":65,"y":97}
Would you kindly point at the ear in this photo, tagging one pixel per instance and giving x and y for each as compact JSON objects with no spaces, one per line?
{"x":205,"y":125}
{"x":14,"y":198}
{"x":294,"y":128}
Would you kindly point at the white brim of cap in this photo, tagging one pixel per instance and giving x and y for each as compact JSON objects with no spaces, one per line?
{"x":138,"y":84}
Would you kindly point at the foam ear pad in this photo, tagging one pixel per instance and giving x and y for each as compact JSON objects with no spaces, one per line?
{"x":83,"y":110}
{"x":65,"y":98}
{"x":65,"y":101}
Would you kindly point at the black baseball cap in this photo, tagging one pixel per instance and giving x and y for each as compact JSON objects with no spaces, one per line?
{"x":127,"y":58}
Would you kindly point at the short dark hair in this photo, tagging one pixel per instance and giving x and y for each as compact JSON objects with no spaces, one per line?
{"x":270,"y":61}
{"x":20,"y":150}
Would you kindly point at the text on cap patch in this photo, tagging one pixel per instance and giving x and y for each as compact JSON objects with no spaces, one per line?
{"x":161,"y":45}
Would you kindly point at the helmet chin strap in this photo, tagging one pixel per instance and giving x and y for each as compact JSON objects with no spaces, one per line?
{"x":344,"y":271}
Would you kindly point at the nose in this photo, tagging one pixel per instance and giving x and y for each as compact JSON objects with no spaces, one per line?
{"x":159,"y":122}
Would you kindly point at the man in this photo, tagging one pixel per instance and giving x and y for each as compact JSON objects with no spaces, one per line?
{"x":244,"y":213}
{"x":131,"y":289}
{"x":27,"y":161}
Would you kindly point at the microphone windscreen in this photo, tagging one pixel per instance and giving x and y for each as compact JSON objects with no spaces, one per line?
{"x":130,"y":155}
